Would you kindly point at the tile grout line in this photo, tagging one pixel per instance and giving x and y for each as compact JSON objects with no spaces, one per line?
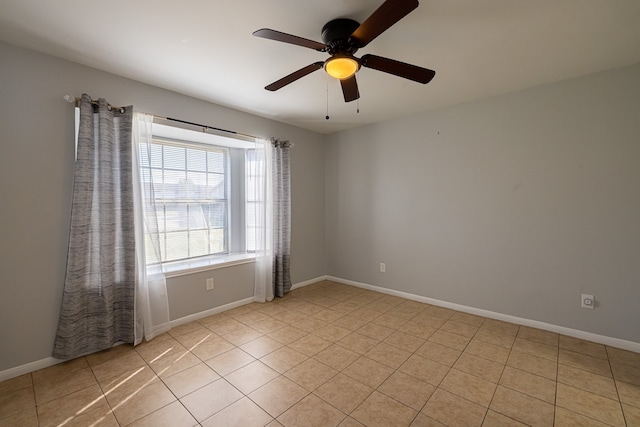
{"x":360,"y":356}
{"x":383,"y":307}
{"x":615,"y":384}
{"x":555,"y":397}
{"x":501,"y":373}
{"x":199,"y":388}
{"x":104,"y":396}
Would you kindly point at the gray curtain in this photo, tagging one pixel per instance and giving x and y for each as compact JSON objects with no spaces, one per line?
{"x":281,"y":217}
{"x":98,"y":298}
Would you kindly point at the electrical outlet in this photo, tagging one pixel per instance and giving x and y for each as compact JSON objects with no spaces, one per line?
{"x":210,"y":284}
{"x":383,"y":267}
{"x":588,"y":301}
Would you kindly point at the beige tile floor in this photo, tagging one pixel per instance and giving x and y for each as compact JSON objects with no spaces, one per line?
{"x":330,"y":354}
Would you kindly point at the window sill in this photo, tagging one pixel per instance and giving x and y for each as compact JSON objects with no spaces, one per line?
{"x":190,"y":266}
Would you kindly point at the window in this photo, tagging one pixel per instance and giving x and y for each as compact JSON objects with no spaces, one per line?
{"x":251,"y":200}
{"x":199,"y":190}
{"x":190,"y":188}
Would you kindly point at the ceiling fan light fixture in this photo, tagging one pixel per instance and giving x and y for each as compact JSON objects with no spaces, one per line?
{"x":342,"y":37}
{"x":341,"y":67}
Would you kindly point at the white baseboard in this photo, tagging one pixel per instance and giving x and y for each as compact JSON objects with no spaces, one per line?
{"x":210,"y":312}
{"x":222,"y":308}
{"x":601,"y":339}
{"x":309,"y":282}
{"x":216,"y":310}
{"x":588,"y":336}
{"x":7,"y":374}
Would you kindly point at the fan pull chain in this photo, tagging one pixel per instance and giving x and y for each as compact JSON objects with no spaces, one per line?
{"x":327,"y":81}
{"x":358,"y":106}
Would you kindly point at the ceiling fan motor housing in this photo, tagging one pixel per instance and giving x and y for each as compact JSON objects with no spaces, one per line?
{"x":336,"y":35}
{"x":342,"y":38}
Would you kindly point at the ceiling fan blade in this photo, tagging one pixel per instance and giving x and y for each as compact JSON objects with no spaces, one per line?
{"x":350,"y":89}
{"x":294,"y":76}
{"x":384,"y":17}
{"x":397,"y":68}
{"x":266,"y":33}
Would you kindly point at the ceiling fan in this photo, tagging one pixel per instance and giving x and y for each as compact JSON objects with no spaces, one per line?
{"x":342,"y":38}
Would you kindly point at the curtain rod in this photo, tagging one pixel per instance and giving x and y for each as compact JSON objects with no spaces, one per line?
{"x":76,"y":101}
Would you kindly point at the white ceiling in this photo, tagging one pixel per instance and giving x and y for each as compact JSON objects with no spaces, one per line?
{"x":205,"y":49}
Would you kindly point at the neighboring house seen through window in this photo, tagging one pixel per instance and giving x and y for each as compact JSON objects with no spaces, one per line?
{"x":199,"y":185}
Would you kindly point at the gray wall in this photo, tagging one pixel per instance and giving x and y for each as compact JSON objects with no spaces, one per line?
{"x":187,"y":295}
{"x":36,"y":176}
{"x":515,"y":204}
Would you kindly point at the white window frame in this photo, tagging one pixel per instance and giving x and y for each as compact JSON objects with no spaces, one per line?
{"x":236,"y":205}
